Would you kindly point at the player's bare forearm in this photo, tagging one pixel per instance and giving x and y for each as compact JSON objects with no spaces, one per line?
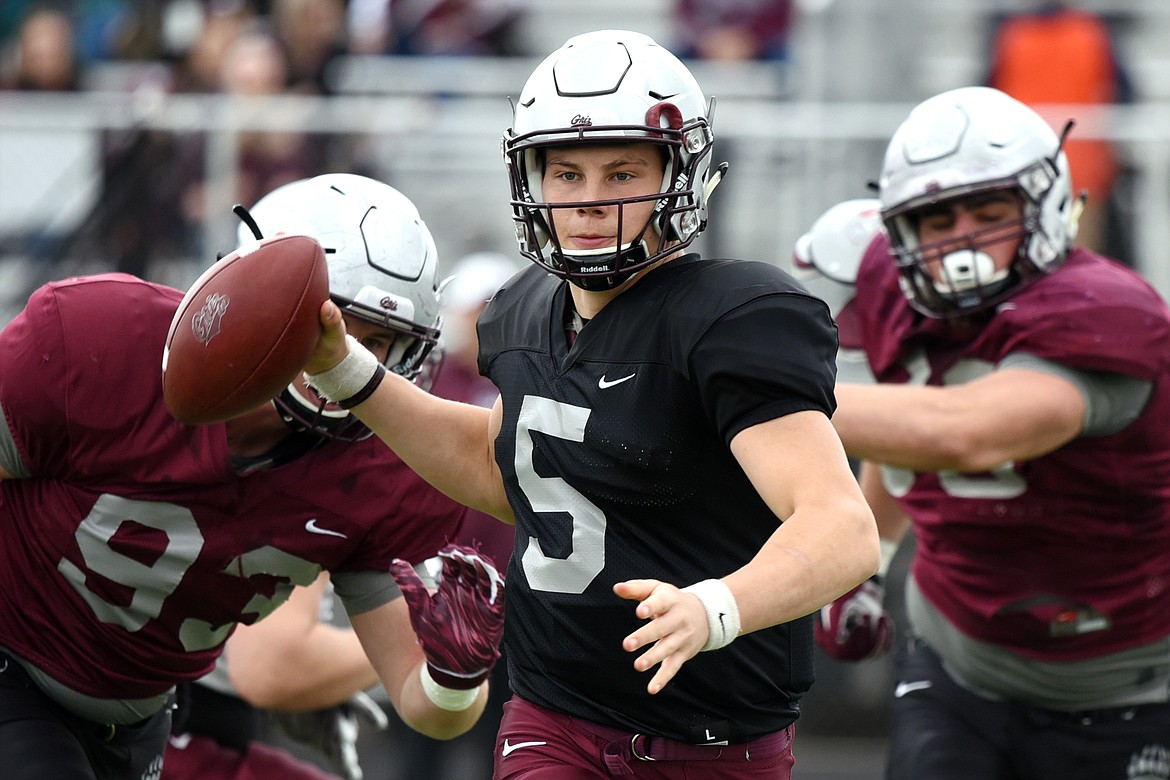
{"x":393,"y":649}
{"x":331,"y":661}
{"x":828,"y":540}
{"x":422,"y":715}
{"x":1011,"y":414}
{"x":448,"y":443}
{"x":817,"y":555}
{"x":892,"y":522}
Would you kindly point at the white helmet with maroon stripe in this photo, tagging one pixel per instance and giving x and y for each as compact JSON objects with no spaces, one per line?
{"x":609,"y":87}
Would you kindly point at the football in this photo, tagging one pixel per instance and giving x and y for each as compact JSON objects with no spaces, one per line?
{"x":245,"y":329}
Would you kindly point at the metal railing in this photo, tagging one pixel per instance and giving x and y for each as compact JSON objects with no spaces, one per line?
{"x":790,"y":159}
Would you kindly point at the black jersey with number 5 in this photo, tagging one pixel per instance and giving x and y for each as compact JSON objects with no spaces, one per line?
{"x":615,"y":455}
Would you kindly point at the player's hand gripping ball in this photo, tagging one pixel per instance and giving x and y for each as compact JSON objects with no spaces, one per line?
{"x":245,"y":329}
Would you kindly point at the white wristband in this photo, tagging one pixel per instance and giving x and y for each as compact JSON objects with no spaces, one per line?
{"x":722,"y":612}
{"x":448,"y":699}
{"x":349,"y":377}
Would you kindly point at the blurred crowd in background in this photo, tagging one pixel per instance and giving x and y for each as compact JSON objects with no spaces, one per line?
{"x":151,"y":203}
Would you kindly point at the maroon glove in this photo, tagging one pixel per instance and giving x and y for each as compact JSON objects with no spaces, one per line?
{"x":459,"y":626}
{"x":856,"y":626}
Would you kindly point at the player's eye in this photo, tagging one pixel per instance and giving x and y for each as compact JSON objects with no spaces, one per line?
{"x":934,"y":224}
{"x":379,"y":345}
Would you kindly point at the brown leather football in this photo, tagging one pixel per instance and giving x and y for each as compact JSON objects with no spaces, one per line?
{"x":244,"y":329}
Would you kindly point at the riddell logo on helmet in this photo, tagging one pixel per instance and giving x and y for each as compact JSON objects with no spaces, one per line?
{"x":581,"y":121}
{"x":388,"y":303}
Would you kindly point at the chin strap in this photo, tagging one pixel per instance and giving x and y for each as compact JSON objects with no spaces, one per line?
{"x":293,"y":446}
{"x":716,"y":178}
{"x":245,"y":216}
{"x":1074,"y":215}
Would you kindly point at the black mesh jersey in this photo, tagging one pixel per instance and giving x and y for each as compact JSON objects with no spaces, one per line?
{"x":616,"y":460}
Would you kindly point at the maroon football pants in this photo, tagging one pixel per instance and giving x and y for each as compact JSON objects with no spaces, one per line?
{"x":195,"y":757}
{"x":536,"y":743}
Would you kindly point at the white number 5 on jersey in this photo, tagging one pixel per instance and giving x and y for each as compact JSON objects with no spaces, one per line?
{"x":553,"y":494}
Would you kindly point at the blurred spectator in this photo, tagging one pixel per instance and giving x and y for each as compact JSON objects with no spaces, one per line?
{"x":137,"y":218}
{"x":104,"y":26}
{"x":452,"y":27}
{"x":254,"y":67}
{"x":12,"y":15}
{"x":153,"y":205}
{"x":199,"y":70}
{"x":312,"y":33}
{"x":474,"y":280}
{"x":733,"y":29}
{"x":1057,"y":54}
{"x":45,"y":55}
{"x":126,"y":31}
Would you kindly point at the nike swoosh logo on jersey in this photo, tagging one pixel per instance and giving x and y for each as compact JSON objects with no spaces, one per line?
{"x":313,"y":528}
{"x":604,"y":383}
{"x":909,"y":687}
{"x":508,"y":747}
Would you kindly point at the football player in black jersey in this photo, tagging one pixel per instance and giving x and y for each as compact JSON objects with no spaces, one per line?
{"x":662,"y":442}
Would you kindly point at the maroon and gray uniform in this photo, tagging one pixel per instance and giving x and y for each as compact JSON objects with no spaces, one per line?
{"x":1088,"y":523}
{"x":1039,"y":590}
{"x":131,"y":546}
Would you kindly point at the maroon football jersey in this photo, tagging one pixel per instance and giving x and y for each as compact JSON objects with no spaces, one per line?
{"x":1066,"y":556}
{"x":134,"y":548}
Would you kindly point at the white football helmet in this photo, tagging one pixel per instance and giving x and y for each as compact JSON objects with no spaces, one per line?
{"x":965,"y":141}
{"x":383,"y":269}
{"x":827,"y":257}
{"x":608,"y":87}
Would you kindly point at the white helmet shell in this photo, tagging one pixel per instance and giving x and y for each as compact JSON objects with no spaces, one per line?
{"x":382,"y":262}
{"x":828,"y":256}
{"x":604,"y":87}
{"x":969,"y":140}
{"x":837,"y":240}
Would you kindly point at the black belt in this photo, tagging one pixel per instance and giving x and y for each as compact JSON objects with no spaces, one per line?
{"x":624,"y":747}
{"x":646,"y":748}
